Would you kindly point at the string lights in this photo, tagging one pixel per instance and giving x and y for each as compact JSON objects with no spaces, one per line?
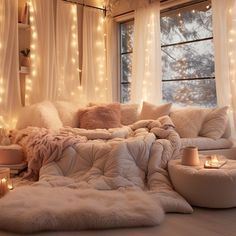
{"x":1,"y":46}
{"x":100,"y":46}
{"x":232,"y":60}
{"x":69,"y":86}
{"x":146,"y":83}
{"x":33,"y":53}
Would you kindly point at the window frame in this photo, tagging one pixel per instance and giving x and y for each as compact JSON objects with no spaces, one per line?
{"x":120,"y":60}
{"x":176,"y":8}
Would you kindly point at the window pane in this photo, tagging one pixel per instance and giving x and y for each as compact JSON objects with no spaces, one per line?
{"x":125,"y":93}
{"x":126,"y":67}
{"x":188,"y":23}
{"x":126,"y":34}
{"x":190,"y":60}
{"x":192,"y":92}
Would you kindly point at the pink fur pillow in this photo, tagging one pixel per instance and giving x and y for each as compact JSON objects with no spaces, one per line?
{"x":100,"y":117}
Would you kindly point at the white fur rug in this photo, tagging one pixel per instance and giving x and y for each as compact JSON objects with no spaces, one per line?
{"x":35,"y":208}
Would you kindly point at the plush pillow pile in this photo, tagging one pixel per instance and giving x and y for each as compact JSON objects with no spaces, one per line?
{"x":188,"y":121}
{"x":151,"y":111}
{"x":100,"y":117}
{"x":42,"y":114}
{"x":215,"y":123}
{"x":68,"y":113}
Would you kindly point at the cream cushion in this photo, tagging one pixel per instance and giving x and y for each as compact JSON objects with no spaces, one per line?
{"x":43,"y":114}
{"x":188,"y":121}
{"x":215,"y":123}
{"x":204,"y":143}
{"x":151,"y":111}
{"x":213,"y":188}
{"x":129,"y":113}
{"x":68,"y":113}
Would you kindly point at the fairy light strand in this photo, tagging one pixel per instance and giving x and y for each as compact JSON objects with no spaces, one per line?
{"x":33,"y":54}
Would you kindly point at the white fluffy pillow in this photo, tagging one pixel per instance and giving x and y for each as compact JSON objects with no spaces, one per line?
{"x":215,"y":123}
{"x":188,"y":121}
{"x":42,"y":114}
{"x":129,"y":113}
{"x":68,"y":113}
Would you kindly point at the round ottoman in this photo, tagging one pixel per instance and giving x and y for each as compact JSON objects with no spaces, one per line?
{"x":11,"y":154}
{"x":213,"y":188}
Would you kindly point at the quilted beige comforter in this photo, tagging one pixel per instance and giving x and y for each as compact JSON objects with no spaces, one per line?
{"x":129,"y":160}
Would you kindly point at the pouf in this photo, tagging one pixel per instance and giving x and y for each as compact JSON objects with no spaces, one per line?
{"x":11,"y":154}
{"x":213,"y":188}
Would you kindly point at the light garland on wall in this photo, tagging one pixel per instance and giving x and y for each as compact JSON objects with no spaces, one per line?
{"x":70,"y":71}
{"x":1,"y":46}
{"x":75,"y":54}
{"x":101,"y":87}
{"x":232,"y":62}
{"x":33,"y":53}
{"x":148,"y":48}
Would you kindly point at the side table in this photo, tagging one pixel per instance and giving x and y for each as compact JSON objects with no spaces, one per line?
{"x":213,"y":188}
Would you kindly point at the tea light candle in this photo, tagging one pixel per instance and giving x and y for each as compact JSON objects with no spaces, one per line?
{"x":3,"y":187}
{"x":10,"y":184}
{"x":213,"y":162}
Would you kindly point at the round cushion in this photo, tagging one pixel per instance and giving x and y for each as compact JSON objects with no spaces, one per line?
{"x":11,"y":154}
{"x":213,"y":188}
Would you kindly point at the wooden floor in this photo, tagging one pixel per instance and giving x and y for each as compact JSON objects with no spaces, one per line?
{"x":202,"y":222}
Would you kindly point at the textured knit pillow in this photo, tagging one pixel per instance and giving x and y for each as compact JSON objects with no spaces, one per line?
{"x":151,"y":111}
{"x":42,"y":114}
{"x":215,"y":123}
{"x":188,"y":121}
{"x":100,"y":117}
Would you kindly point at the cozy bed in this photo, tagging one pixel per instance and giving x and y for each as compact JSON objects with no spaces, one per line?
{"x":88,"y":178}
{"x":98,"y":178}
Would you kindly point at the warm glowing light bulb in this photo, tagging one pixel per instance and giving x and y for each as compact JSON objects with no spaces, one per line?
{"x":34,"y":35}
{"x":31,"y":19}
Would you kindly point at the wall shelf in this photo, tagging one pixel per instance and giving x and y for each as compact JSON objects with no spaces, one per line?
{"x":23,"y":26}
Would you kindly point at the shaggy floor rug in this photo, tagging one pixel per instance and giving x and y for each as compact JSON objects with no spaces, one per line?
{"x":35,"y":208}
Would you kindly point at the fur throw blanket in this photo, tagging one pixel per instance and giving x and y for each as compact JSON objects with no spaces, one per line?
{"x":33,"y":209}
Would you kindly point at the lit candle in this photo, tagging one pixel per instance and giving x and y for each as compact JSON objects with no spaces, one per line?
{"x":212,"y":162}
{"x":3,"y":187}
{"x":10,"y":184}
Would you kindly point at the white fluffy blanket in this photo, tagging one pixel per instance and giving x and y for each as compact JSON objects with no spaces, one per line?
{"x":33,"y":209}
{"x":125,"y":175}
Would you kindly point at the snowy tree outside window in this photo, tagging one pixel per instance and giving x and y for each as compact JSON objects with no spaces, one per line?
{"x":188,"y":76}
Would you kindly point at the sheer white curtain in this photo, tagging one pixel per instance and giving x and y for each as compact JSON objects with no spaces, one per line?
{"x":224,"y":31}
{"x":68,"y":71}
{"x":146,"y":64}
{"x":95,"y":84}
{"x":42,"y":83}
{"x":112,"y":55}
{"x":9,"y":64}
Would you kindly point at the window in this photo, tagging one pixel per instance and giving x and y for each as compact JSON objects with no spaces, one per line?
{"x":126,"y":49}
{"x":187,"y":56}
